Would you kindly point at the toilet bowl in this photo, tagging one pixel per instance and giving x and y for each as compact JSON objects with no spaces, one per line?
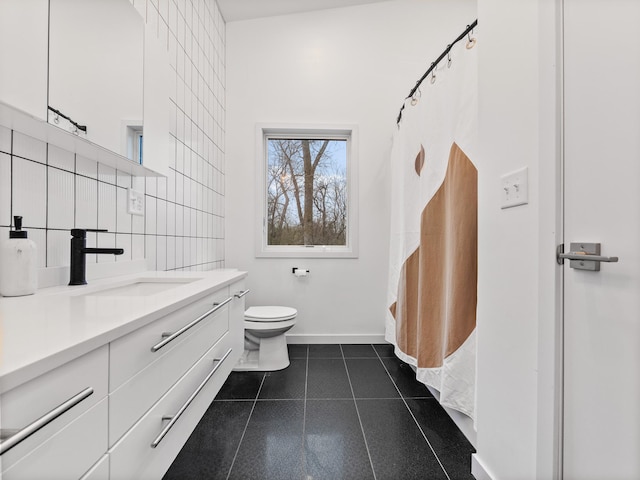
{"x":265,"y":345}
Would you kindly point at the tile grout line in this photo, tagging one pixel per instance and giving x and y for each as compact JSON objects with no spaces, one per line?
{"x":304,"y":416}
{"x":364,"y":399}
{"x":364,"y":437}
{"x":235,"y":455}
{"x":46,"y":215}
{"x":412,"y":415}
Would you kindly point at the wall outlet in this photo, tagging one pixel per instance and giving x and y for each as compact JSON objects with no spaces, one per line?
{"x":135,"y":202}
{"x":515,"y":188}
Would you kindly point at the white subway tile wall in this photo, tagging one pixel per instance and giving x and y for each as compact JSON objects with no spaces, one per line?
{"x":5,"y":140}
{"x":29,"y":192}
{"x":60,"y":199}
{"x":123,"y":219}
{"x":86,"y":206}
{"x":5,"y":186}
{"x":86,"y":167}
{"x":106,"y":207}
{"x":57,"y":248}
{"x":161,"y":252}
{"x":39,"y":237}
{"x":62,"y":159}
{"x":183,"y":227}
{"x":106,"y":240}
{"x":27,"y":147}
{"x":150,"y":249}
{"x":106,"y":174}
{"x":124,"y":242}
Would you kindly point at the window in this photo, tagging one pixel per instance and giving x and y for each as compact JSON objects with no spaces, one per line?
{"x":308,"y":201}
{"x":134,"y":143}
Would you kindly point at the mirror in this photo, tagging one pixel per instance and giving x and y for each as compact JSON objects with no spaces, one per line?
{"x":96,"y":57}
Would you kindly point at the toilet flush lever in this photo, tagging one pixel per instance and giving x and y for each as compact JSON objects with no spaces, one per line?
{"x":583,"y":256}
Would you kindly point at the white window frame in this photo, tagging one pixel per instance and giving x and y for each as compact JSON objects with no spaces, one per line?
{"x":338,"y":132}
{"x":133,"y":136}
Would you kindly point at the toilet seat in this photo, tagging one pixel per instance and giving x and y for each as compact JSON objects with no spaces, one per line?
{"x":271,"y":313}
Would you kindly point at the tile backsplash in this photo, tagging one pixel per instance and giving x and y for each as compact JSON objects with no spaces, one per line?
{"x":183,"y":227}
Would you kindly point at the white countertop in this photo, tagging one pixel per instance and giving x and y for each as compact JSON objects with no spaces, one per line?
{"x":55,"y":325}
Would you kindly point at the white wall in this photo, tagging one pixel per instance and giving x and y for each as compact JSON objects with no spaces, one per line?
{"x":516,"y":275}
{"x":344,"y":66}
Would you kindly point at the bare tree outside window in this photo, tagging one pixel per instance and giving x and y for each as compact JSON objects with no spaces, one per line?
{"x":307,"y":191}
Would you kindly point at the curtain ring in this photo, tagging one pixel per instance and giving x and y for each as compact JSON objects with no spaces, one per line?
{"x":56,"y":119}
{"x":415,"y":97}
{"x":471,"y":41}
{"x":448,"y":60}
{"x":433,"y":76}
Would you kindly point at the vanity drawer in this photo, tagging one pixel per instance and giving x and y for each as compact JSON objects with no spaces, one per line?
{"x":33,"y":400}
{"x":132,"y":353}
{"x":132,"y":399}
{"x":69,"y":453}
{"x":133,"y":456}
{"x":100,"y":471}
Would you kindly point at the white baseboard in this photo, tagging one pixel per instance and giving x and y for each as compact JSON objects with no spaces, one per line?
{"x":327,"y":338}
{"x":478,"y":470}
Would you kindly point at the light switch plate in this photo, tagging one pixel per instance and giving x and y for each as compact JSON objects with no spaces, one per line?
{"x":515,"y":188}
{"x":135,"y":202}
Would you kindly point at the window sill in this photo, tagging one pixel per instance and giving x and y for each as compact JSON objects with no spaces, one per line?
{"x":307,"y":252}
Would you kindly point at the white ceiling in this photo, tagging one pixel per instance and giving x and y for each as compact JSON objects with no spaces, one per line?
{"x":234,"y":10}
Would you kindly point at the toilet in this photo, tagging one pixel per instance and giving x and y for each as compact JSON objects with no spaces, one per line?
{"x":265,"y":345}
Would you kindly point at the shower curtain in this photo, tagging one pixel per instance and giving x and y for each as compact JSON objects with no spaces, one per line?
{"x":432,"y":289}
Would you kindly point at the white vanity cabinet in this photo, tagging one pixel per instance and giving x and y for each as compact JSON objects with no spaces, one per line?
{"x":132,"y":402}
{"x":100,"y":471}
{"x":141,"y":372}
{"x":69,"y":444}
{"x":178,"y":386}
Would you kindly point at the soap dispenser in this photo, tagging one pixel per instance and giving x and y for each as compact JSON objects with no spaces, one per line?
{"x":18,"y":263}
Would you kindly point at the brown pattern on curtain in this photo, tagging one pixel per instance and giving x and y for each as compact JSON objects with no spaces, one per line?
{"x":435,"y":310}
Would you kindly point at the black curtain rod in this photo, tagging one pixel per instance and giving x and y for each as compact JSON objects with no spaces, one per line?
{"x":60,"y":114}
{"x":435,"y":64}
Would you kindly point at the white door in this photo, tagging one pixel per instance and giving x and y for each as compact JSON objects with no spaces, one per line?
{"x":602,"y":204}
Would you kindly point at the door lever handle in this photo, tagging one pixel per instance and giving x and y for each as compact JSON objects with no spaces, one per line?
{"x":583,"y":256}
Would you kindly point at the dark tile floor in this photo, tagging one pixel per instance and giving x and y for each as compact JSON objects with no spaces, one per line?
{"x":337,"y":412}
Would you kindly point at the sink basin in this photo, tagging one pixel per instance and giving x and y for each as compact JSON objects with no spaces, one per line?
{"x":141,"y":287}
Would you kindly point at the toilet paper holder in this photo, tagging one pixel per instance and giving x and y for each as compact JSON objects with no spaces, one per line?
{"x":300,"y":272}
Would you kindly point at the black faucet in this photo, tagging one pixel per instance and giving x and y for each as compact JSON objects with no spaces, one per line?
{"x":79,"y":250}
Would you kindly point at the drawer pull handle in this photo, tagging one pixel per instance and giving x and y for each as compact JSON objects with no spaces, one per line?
{"x":242,"y":293}
{"x":15,"y":437}
{"x":171,"y":337}
{"x":174,"y":418}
